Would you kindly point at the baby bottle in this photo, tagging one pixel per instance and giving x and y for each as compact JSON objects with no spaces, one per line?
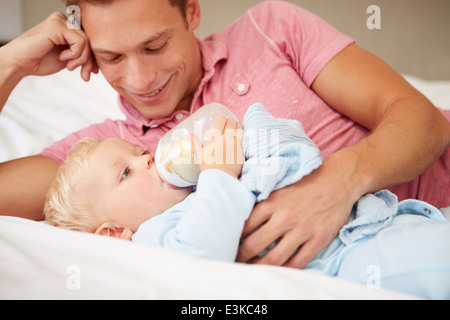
{"x":174,"y":157}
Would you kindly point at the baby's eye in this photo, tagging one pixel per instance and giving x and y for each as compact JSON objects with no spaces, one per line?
{"x":125,"y":173}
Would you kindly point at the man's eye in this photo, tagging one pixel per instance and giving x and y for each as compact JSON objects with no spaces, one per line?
{"x":157,"y":50}
{"x":110,"y":60}
{"x":125,"y":173}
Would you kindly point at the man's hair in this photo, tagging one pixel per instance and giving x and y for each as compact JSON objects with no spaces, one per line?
{"x":66,"y":204}
{"x":181,"y":4}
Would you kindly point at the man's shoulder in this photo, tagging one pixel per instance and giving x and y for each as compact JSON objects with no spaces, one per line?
{"x":102,"y":130}
{"x":108,"y":128}
{"x":274,"y":6}
{"x":276,"y":10}
{"x":274,"y":19}
{"x":271,"y":18}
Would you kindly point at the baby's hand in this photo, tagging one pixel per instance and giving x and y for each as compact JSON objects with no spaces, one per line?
{"x":222,"y":147}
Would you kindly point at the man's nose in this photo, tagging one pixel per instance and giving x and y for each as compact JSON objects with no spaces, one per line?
{"x":140,"y":76}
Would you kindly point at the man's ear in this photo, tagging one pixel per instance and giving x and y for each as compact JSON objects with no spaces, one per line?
{"x":193,"y":14}
{"x":111,"y":230}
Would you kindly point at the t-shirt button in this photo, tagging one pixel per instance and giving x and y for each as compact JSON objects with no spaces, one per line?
{"x":240,"y":85}
{"x":179,"y":116}
{"x":153,"y":126}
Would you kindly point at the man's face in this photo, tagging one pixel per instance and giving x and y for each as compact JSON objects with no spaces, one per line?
{"x":147,"y":51}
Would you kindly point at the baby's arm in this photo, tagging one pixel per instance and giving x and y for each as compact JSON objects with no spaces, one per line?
{"x":212,"y":225}
{"x":213,"y":220}
{"x":208,"y":223}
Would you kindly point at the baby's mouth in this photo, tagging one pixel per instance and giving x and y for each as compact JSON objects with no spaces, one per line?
{"x":171,"y":186}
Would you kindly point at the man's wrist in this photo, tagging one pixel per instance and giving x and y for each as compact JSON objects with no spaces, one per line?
{"x":9,"y":77}
{"x":10,"y":73}
{"x":352,"y":173}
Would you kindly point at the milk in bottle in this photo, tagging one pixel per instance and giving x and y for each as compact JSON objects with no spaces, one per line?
{"x":174,"y":157}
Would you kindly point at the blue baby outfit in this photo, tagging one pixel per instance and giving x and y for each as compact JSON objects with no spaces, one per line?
{"x":278,"y":152}
{"x":208,"y":223}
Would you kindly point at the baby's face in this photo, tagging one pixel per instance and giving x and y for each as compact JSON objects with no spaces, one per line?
{"x":127,"y":189}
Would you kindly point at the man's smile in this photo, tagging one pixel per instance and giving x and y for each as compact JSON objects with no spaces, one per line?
{"x":153,"y":96}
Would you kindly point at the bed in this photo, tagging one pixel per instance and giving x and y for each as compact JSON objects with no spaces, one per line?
{"x":38,"y":261}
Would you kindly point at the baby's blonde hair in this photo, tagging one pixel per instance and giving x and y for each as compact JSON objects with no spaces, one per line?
{"x":66,"y":204}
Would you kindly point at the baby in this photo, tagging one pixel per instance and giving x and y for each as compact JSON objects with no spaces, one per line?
{"x":111,"y":187}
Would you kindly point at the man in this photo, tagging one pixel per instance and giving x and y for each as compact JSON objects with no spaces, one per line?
{"x":291,"y":61}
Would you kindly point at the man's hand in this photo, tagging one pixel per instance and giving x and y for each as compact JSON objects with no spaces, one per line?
{"x":408,"y":134}
{"x":49,"y":47}
{"x":223,"y":147}
{"x":307,"y":216}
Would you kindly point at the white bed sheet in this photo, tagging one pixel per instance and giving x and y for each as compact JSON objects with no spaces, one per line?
{"x":42,"y":110}
{"x":42,"y":262}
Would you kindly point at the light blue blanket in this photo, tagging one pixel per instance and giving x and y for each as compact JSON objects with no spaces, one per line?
{"x":280,"y":153}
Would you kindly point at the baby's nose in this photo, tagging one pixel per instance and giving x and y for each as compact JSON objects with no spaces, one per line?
{"x":148,"y":160}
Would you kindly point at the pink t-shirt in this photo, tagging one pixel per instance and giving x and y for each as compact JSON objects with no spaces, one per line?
{"x":271,"y":55}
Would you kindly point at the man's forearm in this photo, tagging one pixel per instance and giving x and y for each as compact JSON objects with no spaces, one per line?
{"x":409,"y":138}
{"x":23,"y":185}
{"x":8,"y":79}
{"x":407,"y":132}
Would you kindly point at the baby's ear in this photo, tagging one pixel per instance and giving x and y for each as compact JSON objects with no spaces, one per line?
{"x":110,"y":230}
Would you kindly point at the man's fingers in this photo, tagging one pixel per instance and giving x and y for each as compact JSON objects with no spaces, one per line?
{"x":259,"y":240}
{"x":304,"y":255}
{"x":259,"y":216}
{"x":253,"y":245}
{"x":88,"y":68}
{"x":309,"y":250}
{"x":283,"y":250}
{"x":77,"y":52}
{"x":79,"y":58}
